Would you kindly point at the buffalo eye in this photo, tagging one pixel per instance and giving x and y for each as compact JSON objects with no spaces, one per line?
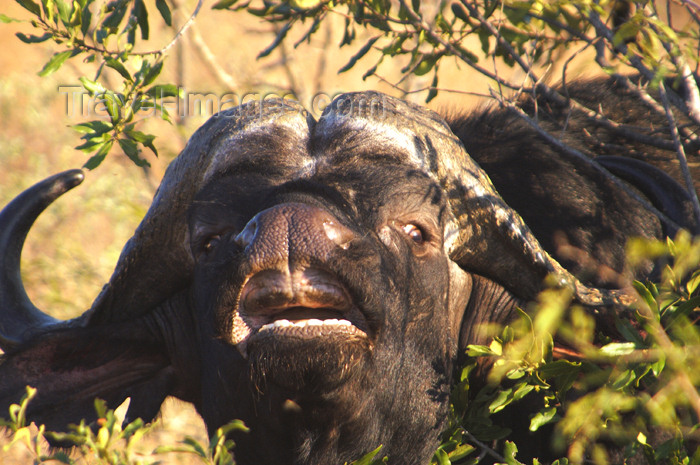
{"x":211,"y":243}
{"x":414,"y":233}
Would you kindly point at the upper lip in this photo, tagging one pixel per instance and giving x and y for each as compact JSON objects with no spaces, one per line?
{"x":270,"y":293}
{"x":298,"y":297}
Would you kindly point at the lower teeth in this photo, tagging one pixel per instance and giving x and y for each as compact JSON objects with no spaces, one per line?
{"x":304,"y":323}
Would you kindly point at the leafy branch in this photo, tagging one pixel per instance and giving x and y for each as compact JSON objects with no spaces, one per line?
{"x":106,"y":34}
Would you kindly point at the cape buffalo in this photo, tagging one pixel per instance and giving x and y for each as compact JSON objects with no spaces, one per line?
{"x":318,"y":278}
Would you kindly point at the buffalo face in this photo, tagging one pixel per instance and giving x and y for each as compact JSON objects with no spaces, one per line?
{"x":302,"y":276}
{"x":328,"y":283}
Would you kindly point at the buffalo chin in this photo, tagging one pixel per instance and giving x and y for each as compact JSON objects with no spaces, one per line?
{"x":314,"y":364}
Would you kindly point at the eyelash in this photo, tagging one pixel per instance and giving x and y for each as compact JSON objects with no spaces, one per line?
{"x":414,"y":232}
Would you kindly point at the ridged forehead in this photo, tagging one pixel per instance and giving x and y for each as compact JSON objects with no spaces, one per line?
{"x":363,"y":123}
{"x":270,"y":134}
{"x":279,"y":138}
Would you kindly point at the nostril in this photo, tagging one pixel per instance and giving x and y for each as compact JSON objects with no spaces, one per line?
{"x":337,"y":233}
{"x":245,"y":237}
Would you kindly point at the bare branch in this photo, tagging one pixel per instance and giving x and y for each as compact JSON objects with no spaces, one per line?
{"x":680,"y":152}
{"x":182,"y":30}
{"x":486,"y":449}
{"x":208,"y":57}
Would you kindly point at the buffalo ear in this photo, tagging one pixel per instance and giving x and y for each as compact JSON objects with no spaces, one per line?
{"x":71,"y":367}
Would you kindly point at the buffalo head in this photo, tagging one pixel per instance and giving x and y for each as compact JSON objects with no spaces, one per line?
{"x":312,"y":278}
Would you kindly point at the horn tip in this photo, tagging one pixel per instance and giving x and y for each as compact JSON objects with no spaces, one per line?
{"x":73,"y":177}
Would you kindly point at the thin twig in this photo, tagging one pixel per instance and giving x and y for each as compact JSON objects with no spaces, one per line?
{"x":209,"y":58}
{"x":182,"y":30}
{"x":680,"y":151}
{"x":484,"y":447}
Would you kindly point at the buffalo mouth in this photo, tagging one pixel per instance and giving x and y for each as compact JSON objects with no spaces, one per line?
{"x":311,"y":304}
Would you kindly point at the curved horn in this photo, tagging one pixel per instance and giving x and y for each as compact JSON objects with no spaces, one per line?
{"x":19,"y":318}
{"x":485,"y":235}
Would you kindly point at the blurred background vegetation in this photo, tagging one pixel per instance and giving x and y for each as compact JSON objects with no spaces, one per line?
{"x":294,"y":48}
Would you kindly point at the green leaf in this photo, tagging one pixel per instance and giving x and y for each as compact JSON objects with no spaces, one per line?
{"x":625,"y":32}
{"x":92,"y":141}
{"x":116,"y":16}
{"x":64,"y":11}
{"x":92,"y":87}
{"x":119,"y":67}
{"x":682,"y":310}
{"x":541,"y":418}
{"x":145,"y":139}
{"x":280,"y":37}
{"x":615,"y":349}
{"x":164,"y":113}
{"x":426,"y":64}
{"x":6,"y":19}
{"x":197,"y":448}
{"x":461,"y":451}
{"x":153,"y":73}
{"x":132,"y":151}
{"x":85,"y":20}
{"x":658,"y":366}
{"x":141,"y":14}
{"x":368,"y":458}
{"x":362,"y":52}
{"x":508,"y":396}
{"x":34,"y":39}
{"x":96,"y":159}
{"x":163,"y":91}
{"x":48,"y":8}
{"x":165,"y":13}
{"x":93,"y":127}
{"x":55,"y":62}
{"x":441,"y":458}
{"x":623,"y":380}
{"x":114,"y":104}
{"x":693,"y":282}
{"x":509,"y":452}
{"x":474,"y":350}
{"x":223,"y":4}
{"x":30,"y":6}
{"x":629,"y":332}
{"x":646,"y":295}
{"x":76,"y":17}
